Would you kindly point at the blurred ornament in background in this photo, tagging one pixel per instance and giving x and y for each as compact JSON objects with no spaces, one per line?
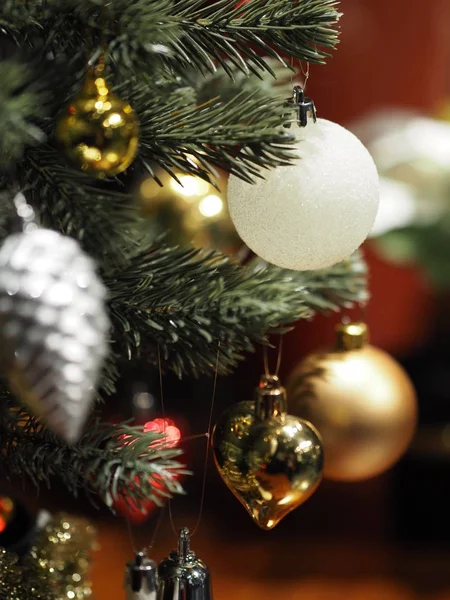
{"x":182,"y":575}
{"x":361,"y":401}
{"x":144,"y":403}
{"x":412,"y":154}
{"x":138,"y":512}
{"x":62,"y":552}
{"x":190,"y":210}
{"x":141,"y":578}
{"x":271,"y":461}
{"x":99,"y":131}
{"x":17,"y":526}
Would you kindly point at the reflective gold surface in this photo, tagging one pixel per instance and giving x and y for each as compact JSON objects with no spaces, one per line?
{"x":99,"y":132}
{"x":271,"y":466}
{"x":362,"y":403}
{"x":190,"y":210}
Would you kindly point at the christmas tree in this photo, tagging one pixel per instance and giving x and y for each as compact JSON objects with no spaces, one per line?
{"x":197,"y":75}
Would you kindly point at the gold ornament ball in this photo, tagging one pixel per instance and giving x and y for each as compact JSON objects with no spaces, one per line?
{"x":361,"y":401}
{"x":271,"y":461}
{"x":190,"y":211}
{"x":99,"y":132}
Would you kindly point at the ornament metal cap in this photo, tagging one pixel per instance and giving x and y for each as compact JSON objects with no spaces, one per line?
{"x":351,"y":336}
{"x":183,"y":576}
{"x":304,"y":106}
{"x":141,"y":573}
{"x":270,"y":398}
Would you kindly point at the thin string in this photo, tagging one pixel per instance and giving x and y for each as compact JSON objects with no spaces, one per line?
{"x":157,"y":526}
{"x":207,"y":435}
{"x":130,"y":535}
{"x":154,"y":536}
{"x":304,"y":73}
{"x":266,"y":358}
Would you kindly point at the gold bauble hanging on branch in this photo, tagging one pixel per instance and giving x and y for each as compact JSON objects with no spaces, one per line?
{"x":271,"y":461}
{"x":190,"y":211}
{"x":99,"y":132}
{"x":361,"y":401}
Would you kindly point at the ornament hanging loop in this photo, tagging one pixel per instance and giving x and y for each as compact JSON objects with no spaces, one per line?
{"x":303,"y":106}
{"x":267,"y":370}
{"x":270,"y":398}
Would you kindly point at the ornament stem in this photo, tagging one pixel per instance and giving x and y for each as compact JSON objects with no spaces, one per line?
{"x":184,"y":544}
{"x":141,"y":578}
{"x":303,"y":106}
{"x":270,"y":398}
{"x":351,"y":336}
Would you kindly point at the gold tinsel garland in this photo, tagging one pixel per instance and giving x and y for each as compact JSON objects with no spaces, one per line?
{"x":56,"y":567}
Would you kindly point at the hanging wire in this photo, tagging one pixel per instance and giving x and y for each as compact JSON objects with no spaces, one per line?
{"x":266,"y":358}
{"x":304,"y":73}
{"x":130,"y":535}
{"x":207,"y":435}
{"x":130,"y":529}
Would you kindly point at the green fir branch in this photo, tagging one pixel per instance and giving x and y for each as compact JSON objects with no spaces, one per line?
{"x":222,"y":30}
{"x":187,"y":301}
{"x":22,"y":103}
{"x":242,"y":136}
{"x":100,"y":216}
{"x":110,"y":461}
{"x":196,"y":34}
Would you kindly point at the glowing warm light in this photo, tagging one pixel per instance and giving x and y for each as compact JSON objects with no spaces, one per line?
{"x":150,"y":189}
{"x":189,"y":185}
{"x":90,"y":153}
{"x":211,"y":206}
{"x":286,"y":500}
{"x":115,"y":119}
{"x":305,"y":445}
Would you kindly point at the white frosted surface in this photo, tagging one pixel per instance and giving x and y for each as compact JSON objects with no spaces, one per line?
{"x":316,"y":212}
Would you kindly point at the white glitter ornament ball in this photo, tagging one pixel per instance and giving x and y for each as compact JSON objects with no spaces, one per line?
{"x":316,"y":212}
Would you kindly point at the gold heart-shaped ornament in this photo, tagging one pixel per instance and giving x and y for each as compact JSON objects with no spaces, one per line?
{"x":271,"y":461}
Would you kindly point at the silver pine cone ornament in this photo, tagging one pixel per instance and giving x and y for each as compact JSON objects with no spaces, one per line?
{"x":53,"y":326}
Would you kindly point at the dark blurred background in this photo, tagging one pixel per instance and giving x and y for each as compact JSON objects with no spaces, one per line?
{"x":387,"y":538}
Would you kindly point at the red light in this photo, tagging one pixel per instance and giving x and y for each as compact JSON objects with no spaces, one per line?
{"x":167,"y":426}
{"x":139,"y":514}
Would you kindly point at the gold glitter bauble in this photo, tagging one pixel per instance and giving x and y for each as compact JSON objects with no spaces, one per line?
{"x":63,"y":553}
{"x":361,"y":401}
{"x":271,"y":461}
{"x":99,"y":132}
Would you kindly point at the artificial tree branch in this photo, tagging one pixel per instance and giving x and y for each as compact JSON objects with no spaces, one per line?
{"x":196,"y":34}
{"x":109,"y":461}
{"x":187,"y":301}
